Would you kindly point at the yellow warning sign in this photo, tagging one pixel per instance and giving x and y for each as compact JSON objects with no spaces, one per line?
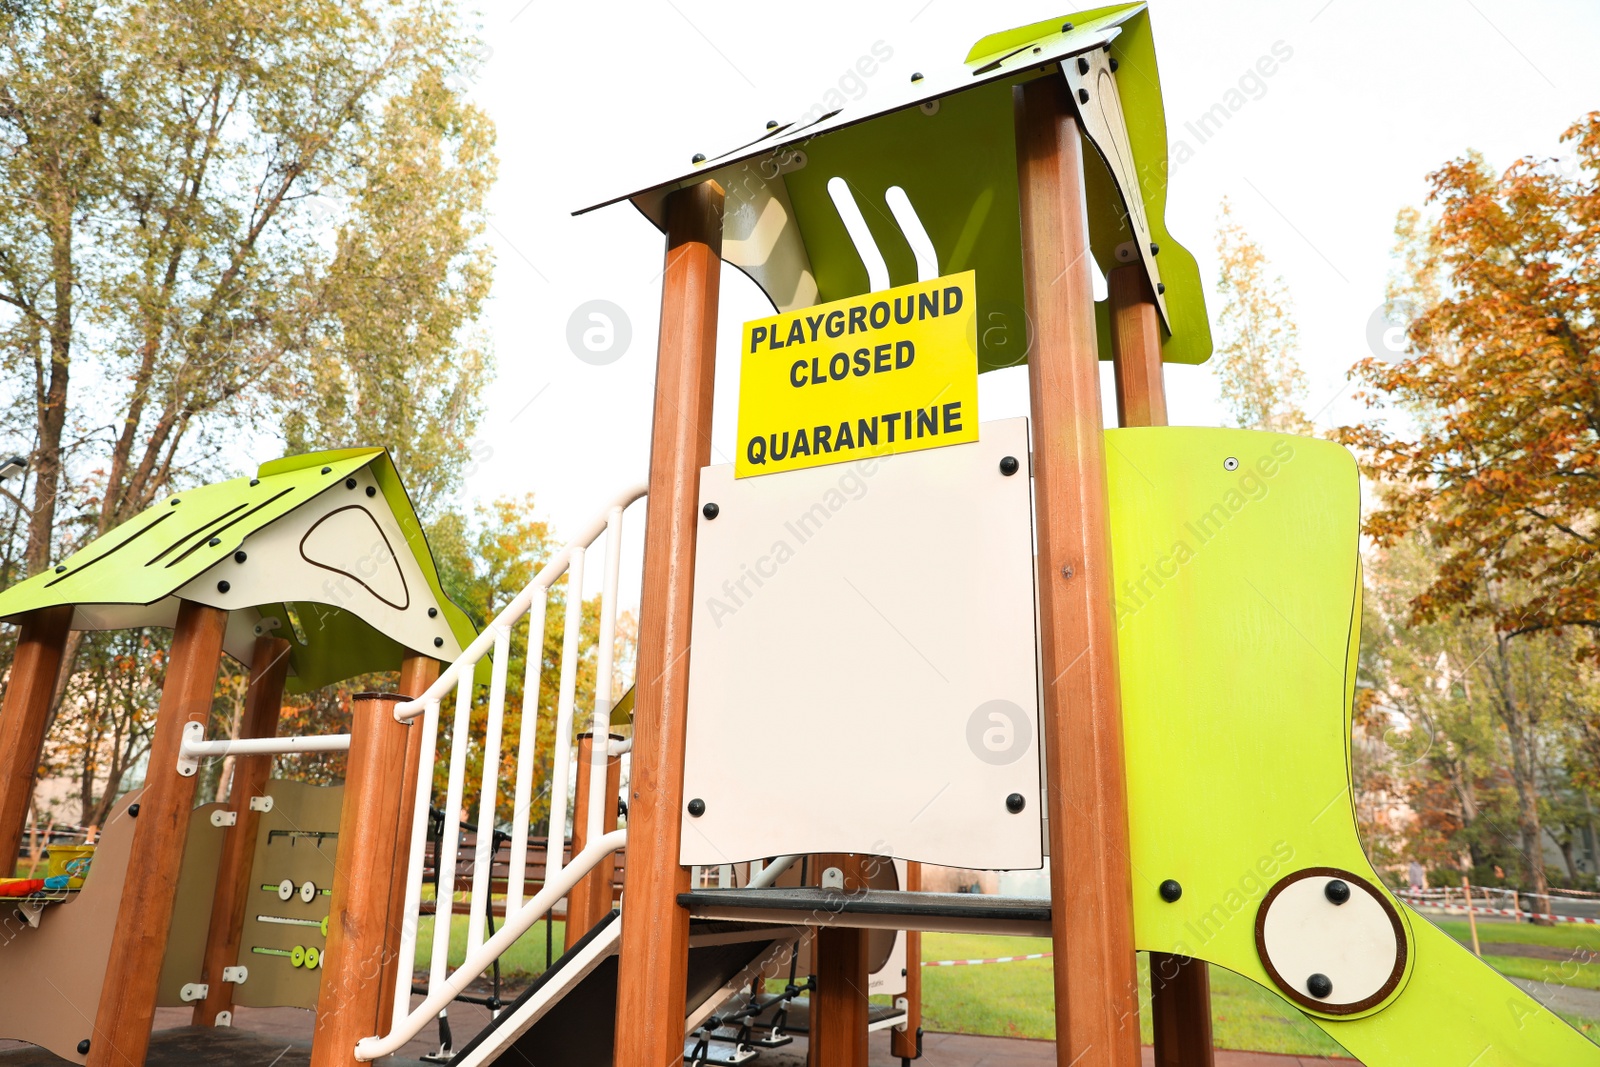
{"x":893,"y":371}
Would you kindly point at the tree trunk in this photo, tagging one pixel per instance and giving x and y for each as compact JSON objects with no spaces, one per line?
{"x":1524,"y":770}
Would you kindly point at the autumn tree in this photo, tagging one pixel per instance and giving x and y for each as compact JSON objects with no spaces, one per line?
{"x":1256,"y":361}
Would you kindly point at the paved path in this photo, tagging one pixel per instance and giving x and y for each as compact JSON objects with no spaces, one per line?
{"x":1563,"y":998}
{"x":968,"y":1050}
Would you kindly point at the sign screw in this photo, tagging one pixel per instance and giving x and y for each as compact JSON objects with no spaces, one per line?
{"x":697,"y":807}
{"x":698,"y":157}
{"x":239,"y":556}
{"x":438,"y":642}
{"x":1170,"y":890}
{"x":1083,"y":96}
{"x":1319,"y":986}
{"x":1083,"y":65}
{"x":133,"y":811}
{"x":223,"y":586}
{"x":1337,"y":891}
{"x":1015,"y":803}
{"x":1009,"y":466}
{"x":83,"y":1047}
{"x":711,"y":511}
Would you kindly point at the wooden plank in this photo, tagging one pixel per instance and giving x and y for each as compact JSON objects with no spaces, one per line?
{"x":903,"y":1043}
{"x":417,"y":672}
{"x":1180,"y":987}
{"x":1136,"y":348}
{"x":144,"y":916}
{"x":652,"y":970}
{"x":839,"y":1004}
{"x":590,"y":900}
{"x":369,"y":822}
{"x":24,"y":716}
{"x":1096,"y":988}
{"x":263,"y":701}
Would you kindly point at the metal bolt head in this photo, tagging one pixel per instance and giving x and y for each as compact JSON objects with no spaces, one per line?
{"x":174,"y":502}
{"x":254,"y":482}
{"x":1015,"y":803}
{"x":1083,"y":96}
{"x":1066,"y":27}
{"x":1170,"y":890}
{"x":1113,"y":64}
{"x":1230,"y":464}
{"x":697,"y":807}
{"x":214,"y":542}
{"x":133,"y":811}
{"x":372,"y":490}
{"x":1337,"y":891}
{"x":349,"y":483}
{"x":1161,"y":288}
{"x":1083,"y":65}
{"x":1155,"y":249}
{"x":438,"y":642}
{"x":916,"y":76}
{"x":239,"y":556}
{"x":1009,"y":466}
{"x":710,"y":511}
{"x":433,"y":613}
{"x":1319,"y":986}
{"x":60,"y":567}
{"x":83,"y":1047}
{"x":698,"y":157}
{"x":772,"y":124}
{"x":327,"y":470}
{"x":223,"y":586}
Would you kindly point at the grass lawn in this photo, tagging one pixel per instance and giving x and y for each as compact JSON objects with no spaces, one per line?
{"x":525,"y":958}
{"x":1561,"y":935}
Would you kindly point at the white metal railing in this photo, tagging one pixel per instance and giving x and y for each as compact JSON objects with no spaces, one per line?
{"x":520,"y":915}
{"x":194,"y":747}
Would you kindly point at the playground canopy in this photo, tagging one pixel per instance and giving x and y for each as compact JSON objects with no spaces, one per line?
{"x":932,"y":176}
{"x":323,"y":548}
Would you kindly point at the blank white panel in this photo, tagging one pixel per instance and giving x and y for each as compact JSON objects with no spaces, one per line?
{"x":862,"y":672}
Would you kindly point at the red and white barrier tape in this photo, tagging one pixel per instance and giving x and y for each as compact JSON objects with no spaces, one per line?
{"x":1457,"y":909}
{"x":997,"y":959}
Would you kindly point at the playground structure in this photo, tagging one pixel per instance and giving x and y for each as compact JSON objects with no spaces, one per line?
{"x":1127,"y":654}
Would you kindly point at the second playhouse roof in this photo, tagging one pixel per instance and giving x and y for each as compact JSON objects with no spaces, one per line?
{"x":325,"y":549}
{"x":947,"y":142}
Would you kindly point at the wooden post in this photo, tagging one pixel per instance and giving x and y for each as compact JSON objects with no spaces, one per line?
{"x":160,"y":830}
{"x":24,"y":714}
{"x":417,"y":672}
{"x":839,"y":1004}
{"x":269,"y":670}
{"x":1096,"y":980}
{"x":590,"y":899}
{"x":1472,"y":917}
{"x":1180,"y":987}
{"x":652,"y":970}
{"x":903,"y":1043}
{"x":369,"y":822}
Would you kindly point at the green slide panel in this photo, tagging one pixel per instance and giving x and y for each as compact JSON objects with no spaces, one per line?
{"x":1238,"y":596}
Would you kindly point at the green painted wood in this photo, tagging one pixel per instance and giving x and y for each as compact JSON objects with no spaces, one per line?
{"x":1238,"y":601}
{"x":142,"y":561}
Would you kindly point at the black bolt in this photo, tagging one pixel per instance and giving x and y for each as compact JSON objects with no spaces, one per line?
{"x":214,"y":542}
{"x":327,"y":470}
{"x":1009,"y":466}
{"x":174,"y":502}
{"x":254,"y":482}
{"x":698,"y":157}
{"x":1083,"y":96}
{"x":1015,"y":803}
{"x":1066,"y":27}
{"x":772,"y":124}
{"x":60,"y":567}
{"x":697,"y":807}
{"x":917,"y":76}
{"x":1155,"y":249}
{"x":1113,"y":64}
{"x":438,"y":642}
{"x":239,"y":556}
{"x":223,"y":586}
{"x":1161,"y":287}
{"x":133,"y":811}
{"x":1319,"y":986}
{"x":83,"y":1047}
{"x":1337,"y":891}
{"x":1083,"y":65}
{"x":349,"y":483}
{"x":711,"y":511}
{"x":372,"y":490}
{"x":433,"y":613}
{"x":1170,"y":890}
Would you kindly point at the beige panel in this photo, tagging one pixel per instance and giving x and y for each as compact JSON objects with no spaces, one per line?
{"x":191,"y":910}
{"x":50,"y":976}
{"x":298,"y":841}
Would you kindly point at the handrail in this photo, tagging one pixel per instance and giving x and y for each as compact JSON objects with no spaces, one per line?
{"x":193,"y":747}
{"x":439,"y":996}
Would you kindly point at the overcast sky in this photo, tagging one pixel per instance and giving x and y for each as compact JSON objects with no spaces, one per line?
{"x":595,"y":99}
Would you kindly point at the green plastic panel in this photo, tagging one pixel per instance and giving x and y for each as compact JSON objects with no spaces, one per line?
{"x":1238,"y":602}
{"x":142,"y":561}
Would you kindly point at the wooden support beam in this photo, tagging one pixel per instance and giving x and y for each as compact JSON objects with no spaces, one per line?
{"x":839,"y":1003}
{"x":348,"y":1005}
{"x":652,"y":970}
{"x":904,"y":1043}
{"x":1096,"y":987}
{"x":1136,"y":348}
{"x":1180,"y":987}
{"x":590,"y":899}
{"x":24,"y":715}
{"x":160,"y":831}
{"x":417,"y":672}
{"x":263,"y":701}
